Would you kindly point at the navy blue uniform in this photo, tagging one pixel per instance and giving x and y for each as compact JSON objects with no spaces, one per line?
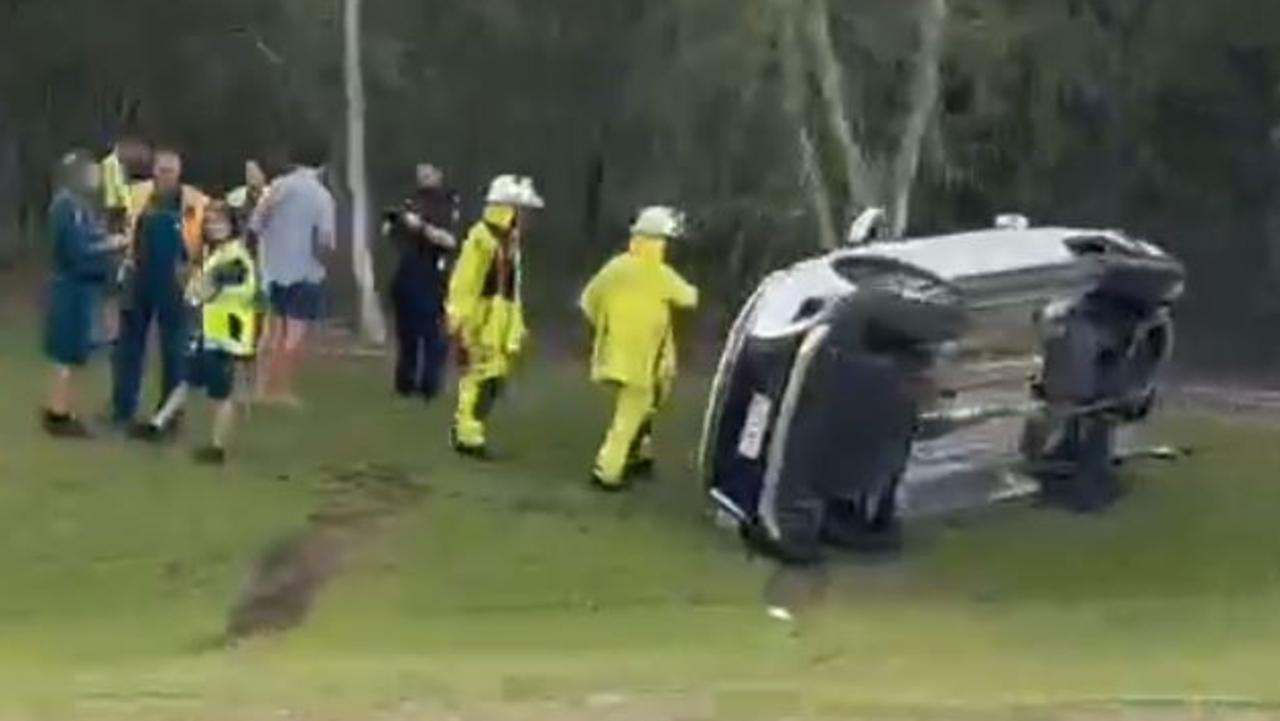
{"x":418,"y":292}
{"x":81,"y":266}
{"x":155,"y":295}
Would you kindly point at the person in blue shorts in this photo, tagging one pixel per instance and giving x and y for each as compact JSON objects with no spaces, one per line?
{"x":294,"y":224}
{"x":225,"y":291}
{"x":83,"y":257}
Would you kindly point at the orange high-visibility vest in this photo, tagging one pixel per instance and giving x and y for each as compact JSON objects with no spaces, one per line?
{"x":193,"y":205}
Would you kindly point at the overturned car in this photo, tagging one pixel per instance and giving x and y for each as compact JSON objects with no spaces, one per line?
{"x":882,"y":377}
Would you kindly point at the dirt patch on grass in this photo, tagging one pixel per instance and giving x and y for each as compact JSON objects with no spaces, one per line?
{"x":355,"y":505}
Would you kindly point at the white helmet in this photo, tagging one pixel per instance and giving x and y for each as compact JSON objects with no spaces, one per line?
{"x":514,"y":190}
{"x":659,"y":220}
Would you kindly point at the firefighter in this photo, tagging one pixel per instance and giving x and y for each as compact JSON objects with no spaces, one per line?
{"x":161,"y":250}
{"x":82,"y":261}
{"x":225,"y":293}
{"x":629,"y":306}
{"x":484,"y":310}
{"x":423,"y":230}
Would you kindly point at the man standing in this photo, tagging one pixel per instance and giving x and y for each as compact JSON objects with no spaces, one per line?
{"x":422,"y":227}
{"x":154,"y":291}
{"x":294,"y":223}
{"x":485,"y":310}
{"x":628,"y":304}
{"x":128,"y":154}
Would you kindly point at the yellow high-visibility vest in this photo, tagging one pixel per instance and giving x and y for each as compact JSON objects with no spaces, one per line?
{"x":228,"y":318}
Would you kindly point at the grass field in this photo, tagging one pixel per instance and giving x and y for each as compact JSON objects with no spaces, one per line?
{"x":509,"y":591}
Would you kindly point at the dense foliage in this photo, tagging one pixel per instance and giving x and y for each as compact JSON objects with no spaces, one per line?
{"x":1158,"y":115}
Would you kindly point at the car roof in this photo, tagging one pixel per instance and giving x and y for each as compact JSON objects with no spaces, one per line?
{"x":985,"y":252}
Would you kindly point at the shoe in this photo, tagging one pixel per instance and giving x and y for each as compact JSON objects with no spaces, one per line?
{"x":479,"y":453}
{"x":604,"y":486}
{"x":210,"y":456}
{"x":64,"y":426}
{"x":149,"y":432}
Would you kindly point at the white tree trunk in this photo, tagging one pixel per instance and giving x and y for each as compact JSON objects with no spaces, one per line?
{"x":861,"y":181}
{"x":373,"y":326}
{"x":925,"y":88}
{"x":794,"y":98}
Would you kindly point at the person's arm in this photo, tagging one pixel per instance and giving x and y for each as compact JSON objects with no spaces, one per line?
{"x":80,"y":248}
{"x":261,"y":215}
{"x":465,"y":283}
{"x":680,"y":292}
{"x":590,"y":300}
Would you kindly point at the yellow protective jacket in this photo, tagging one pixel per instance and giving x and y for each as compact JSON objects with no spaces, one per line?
{"x":229,"y":282}
{"x":629,"y":304}
{"x":115,"y":186}
{"x":193,"y":204}
{"x":484,"y":305}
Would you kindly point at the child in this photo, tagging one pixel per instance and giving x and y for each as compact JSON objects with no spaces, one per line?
{"x":225,"y":290}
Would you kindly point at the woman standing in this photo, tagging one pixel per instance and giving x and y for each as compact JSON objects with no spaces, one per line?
{"x":81,"y":266}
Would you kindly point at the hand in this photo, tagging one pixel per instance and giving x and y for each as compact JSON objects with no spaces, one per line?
{"x":117,"y":242}
{"x":413,"y":220}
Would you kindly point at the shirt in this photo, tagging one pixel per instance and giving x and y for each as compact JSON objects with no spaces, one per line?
{"x":160,"y":249}
{"x":297,"y":217}
{"x":423,"y":272}
{"x":77,"y":237}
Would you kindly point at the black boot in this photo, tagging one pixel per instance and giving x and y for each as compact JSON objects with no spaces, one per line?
{"x":64,"y":425}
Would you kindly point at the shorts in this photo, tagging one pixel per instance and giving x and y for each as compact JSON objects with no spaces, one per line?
{"x":70,"y":324}
{"x":296,"y":301}
{"x":214,"y":371}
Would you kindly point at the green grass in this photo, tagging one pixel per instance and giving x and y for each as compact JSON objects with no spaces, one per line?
{"x":513,"y":592}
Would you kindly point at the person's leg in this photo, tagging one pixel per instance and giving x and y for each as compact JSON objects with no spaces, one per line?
{"x":60,"y":399}
{"x":435,"y":354}
{"x":294,"y":343}
{"x":174,"y":339}
{"x":224,"y":419}
{"x":130,"y":356}
{"x":175,"y":404}
{"x":478,"y":387}
{"x":633,"y":408}
{"x":406,"y":348}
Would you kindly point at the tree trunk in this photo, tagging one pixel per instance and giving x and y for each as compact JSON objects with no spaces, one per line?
{"x":925,"y":88}
{"x":373,"y":327}
{"x":794,"y":92}
{"x":860,"y":178}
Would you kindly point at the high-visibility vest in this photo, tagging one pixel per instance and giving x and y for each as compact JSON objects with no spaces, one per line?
{"x":228,"y":318}
{"x":115,"y":186}
{"x":193,"y":204}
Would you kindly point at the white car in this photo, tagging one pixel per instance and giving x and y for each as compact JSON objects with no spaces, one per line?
{"x":854,"y":380}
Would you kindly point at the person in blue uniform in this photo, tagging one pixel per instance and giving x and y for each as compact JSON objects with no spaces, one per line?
{"x":83,"y":256}
{"x":423,"y":228}
{"x":155,"y":295}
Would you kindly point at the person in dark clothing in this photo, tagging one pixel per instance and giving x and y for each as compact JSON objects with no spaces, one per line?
{"x":155,"y":292}
{"x":423,"y":228}
{"x":83,"y":256}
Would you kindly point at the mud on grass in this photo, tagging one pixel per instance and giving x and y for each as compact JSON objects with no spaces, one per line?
{"x":355,"y":504}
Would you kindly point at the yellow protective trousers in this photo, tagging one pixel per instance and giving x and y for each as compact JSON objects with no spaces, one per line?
{"x":629,"y":439}
{"x":479,"y":386}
